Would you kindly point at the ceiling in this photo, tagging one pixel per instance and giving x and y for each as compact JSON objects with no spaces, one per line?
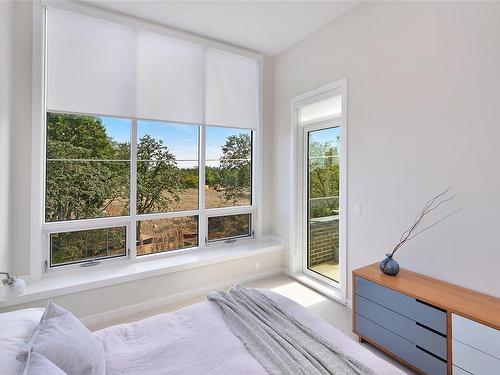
{"x":269,"y":27}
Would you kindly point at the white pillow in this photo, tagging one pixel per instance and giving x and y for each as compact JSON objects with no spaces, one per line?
{"x":66,"y":342}
{"x":16,"y":329}
{"x":37,"y":364}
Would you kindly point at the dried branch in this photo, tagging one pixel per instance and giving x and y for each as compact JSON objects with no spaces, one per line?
{"x":431,"y":205}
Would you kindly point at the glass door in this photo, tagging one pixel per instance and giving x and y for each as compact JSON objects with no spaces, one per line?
{"x":322,"y":202}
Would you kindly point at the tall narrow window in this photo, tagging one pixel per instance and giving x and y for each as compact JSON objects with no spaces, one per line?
{"x":323,"y":202}
{"x":320,"y":199}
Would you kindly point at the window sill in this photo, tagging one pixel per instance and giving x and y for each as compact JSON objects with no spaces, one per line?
{"x":62,"y":283}
{"x":326,"y":290}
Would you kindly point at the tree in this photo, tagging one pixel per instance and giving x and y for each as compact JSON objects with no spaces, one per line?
{"x":324,"y":175}
{"x":158,"y":178}
{"x":88,"y":176}
{"x":80,"y":182}
{"x":235,"y":167}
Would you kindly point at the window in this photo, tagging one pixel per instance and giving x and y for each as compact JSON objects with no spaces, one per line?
{"x":228,"y":167}
{"x":88,"y":176}
{"x":149,"y":141}
{"x":78,"y":246}
{"x":319,"y":184}
{"x":229,"y":227}
{"x":323,"y":178}
{"x":87,"y":168}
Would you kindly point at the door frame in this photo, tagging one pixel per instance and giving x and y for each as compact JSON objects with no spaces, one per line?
{"x":297,"y":241}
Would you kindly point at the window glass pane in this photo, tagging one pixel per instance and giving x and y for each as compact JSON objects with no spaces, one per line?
{"x":323,"y":202}
{"x":231,"y":226}
{"x":88,"y":167}
{"x":160,"y":235}
{"x":228,"y":169}
{"x":167,"y":167}
{"x":72,"y":247}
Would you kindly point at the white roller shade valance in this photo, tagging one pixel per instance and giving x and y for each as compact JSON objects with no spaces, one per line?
{"x":91,"y":65}
{"x":232,"y":90}
{"x":100,"y":67}
{"x":330,"y":106}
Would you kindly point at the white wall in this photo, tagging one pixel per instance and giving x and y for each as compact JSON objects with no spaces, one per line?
{"x":423,"y":114}
{"x":170,"y":286}
{"x":5,"y":120}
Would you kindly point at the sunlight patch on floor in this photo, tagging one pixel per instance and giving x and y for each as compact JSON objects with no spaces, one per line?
{"x":299,"y":293}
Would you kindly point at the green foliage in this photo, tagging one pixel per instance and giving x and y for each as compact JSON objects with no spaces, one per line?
{"x":234,"y":173}
{"x":324,"y":175}
{"x":87,"y":244}
{"x":158,"y":178}
{"x":79,"y":189}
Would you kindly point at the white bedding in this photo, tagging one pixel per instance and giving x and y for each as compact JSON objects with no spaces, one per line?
{"x":195,"y":340}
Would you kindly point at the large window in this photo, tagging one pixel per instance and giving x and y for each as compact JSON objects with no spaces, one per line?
{"x":89,"y":164}
{"x":149,"y":140}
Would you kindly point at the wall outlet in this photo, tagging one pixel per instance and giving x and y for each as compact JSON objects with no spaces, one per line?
{"x":357,"y":208}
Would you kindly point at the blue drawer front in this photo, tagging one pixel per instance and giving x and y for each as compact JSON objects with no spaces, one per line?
{"x":402,"y":326}
{"x":400,"y":347}
{"x":402,"y":304}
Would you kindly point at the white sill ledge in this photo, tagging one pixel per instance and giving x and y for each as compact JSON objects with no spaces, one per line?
{"x":327,"y":290}
{"x":57,"y":284}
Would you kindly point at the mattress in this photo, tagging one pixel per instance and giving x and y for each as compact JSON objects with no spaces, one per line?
{"x":195,"y":340}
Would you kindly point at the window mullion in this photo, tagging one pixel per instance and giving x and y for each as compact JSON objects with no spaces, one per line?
{"x":133,"y":192}
{"x":202,"y":220}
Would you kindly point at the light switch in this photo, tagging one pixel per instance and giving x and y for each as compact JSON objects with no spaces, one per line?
{"x":357,"y":208}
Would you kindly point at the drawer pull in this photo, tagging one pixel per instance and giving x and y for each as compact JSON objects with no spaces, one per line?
{"x":430,"y":329}
{"x":428,"y":304}
{"x":430,"y":353}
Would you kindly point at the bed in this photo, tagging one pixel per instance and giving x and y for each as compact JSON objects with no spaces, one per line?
{"x":196,"y":340}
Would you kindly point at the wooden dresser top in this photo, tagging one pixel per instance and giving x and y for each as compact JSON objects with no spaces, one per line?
{"x":465,"y":302}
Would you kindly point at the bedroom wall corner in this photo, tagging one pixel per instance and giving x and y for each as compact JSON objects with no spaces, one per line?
{"x":267,"y":146}
{"x":98,"y":305}
{"x":6,"y":13}
{"x":18,"y":208}
{"x":423,"y":85}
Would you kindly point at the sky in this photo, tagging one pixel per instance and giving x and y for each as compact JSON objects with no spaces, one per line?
{"x":325,"y":135}
{"x":181,"y":140}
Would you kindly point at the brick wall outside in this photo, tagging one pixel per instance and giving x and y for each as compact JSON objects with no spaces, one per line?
{"x":324,"y":241}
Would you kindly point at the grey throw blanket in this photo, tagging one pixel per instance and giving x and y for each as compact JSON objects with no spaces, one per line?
{"x":277,"y":340}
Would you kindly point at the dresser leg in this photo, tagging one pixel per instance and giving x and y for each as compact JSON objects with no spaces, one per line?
{"x":360,"y":340}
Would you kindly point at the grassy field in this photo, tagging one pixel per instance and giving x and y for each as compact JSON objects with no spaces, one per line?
{"x":170,"y":234}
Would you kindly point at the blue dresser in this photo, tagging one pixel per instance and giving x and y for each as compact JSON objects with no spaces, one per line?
{"x":413,"y":331}
{"x":411,"y":317}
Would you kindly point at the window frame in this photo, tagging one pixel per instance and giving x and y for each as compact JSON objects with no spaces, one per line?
{"x":298,"y":227}
{"x":39,"y":252}
{"x":130,"y":221}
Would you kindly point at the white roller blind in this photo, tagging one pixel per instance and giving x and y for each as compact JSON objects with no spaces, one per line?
{"x":232,"y":90}
{"x":101,"y":67}
{"x":169,"y":79}
{"x":326,"y":108}
{"x":91,"y":65}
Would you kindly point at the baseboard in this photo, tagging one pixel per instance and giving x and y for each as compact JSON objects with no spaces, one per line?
{"x":158,"y":302}
{"x":348,"y":303}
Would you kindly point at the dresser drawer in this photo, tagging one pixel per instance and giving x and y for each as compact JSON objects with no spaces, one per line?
{"x":473,"y":360}
{"x":402,"y":326}
{"x":403,"y":304}
{"x":479,"y":336}
{"x":400,"y":347}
